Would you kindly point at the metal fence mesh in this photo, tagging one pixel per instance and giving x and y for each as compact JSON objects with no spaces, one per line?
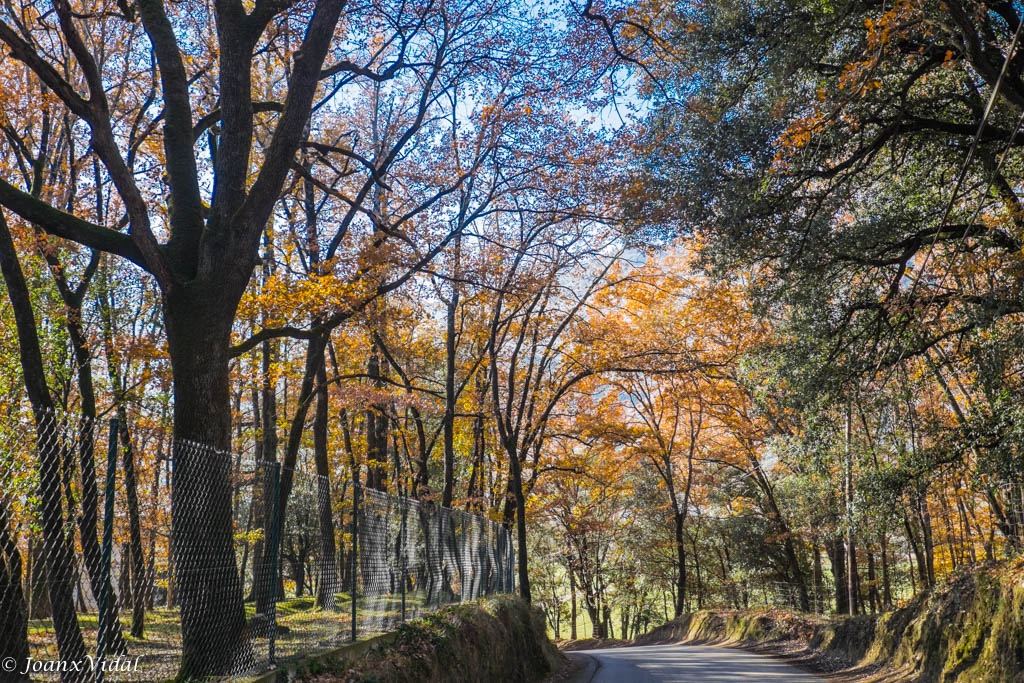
{"x":408,"y":558}
{"x":263,"y":563}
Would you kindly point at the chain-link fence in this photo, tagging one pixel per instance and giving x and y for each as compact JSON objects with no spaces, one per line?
{"x":191,"y":559}
{"x":408,"y":557}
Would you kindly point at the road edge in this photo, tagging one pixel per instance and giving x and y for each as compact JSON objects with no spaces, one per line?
{"x":589,"y":670}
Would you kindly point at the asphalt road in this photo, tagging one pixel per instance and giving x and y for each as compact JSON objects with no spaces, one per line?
{"x":686,"y":663}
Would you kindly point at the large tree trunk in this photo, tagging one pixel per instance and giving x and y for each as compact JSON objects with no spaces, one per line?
{"x":597,"y":624}
{"x":13,"y":615}
{"x":209,"y":591}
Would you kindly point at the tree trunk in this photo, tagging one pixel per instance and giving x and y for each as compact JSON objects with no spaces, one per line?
{"x":926,"y":536}
{"x":784,"y":531}
{"x":264,"y":566}
{"x":214,"y":638}
{"x":915,"y":548}
{"x":886,"y":585}
{"x":313,"y":366}
{"x":837,"y":558}
{"x":13,"y":615}
{"x":679,"y":519}
{"x":298,"y":563}
{"x":38,"y":598}
{"x":449,"y":399}
{"x":516,"y":484}
{"x":573,"y":613}
{"x":376,"y":429}
{"x":327,"y":585}
{"x":872,"y":582}
{"x":817,"y":582}
{"x":696,"y":572}
{"x":59,"y":560}
{"x":431,"y":525}
{"x":87,"y":521}
{"x":475,"y":489}
{"x":853,"y":587}
{"x":597,"y":625}
{"x":138,"y":571}
{"x":851,"y":550}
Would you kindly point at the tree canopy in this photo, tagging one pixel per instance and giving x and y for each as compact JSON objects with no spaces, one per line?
{"x":711,"y":303}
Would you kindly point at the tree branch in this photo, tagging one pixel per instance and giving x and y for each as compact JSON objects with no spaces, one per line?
{"x":60,"y":224}
{"x":186,"y":206}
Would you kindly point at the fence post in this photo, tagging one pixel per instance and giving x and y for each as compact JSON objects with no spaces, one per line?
{"x":108,"y":541}
{"x":275,"y":534}
{"x":355,"y":551}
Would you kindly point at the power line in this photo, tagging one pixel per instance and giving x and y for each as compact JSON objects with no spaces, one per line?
{"x":961,"y":176}
{"x":970,"y":156}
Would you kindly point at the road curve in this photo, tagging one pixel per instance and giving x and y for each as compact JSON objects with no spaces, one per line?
{"x":688,"y":663}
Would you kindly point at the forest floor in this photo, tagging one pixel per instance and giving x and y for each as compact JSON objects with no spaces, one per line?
{"x":302,"y":629}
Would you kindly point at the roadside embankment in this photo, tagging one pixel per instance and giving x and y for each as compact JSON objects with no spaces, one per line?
{"x":591,"y":644}
{"x":970,"y":628}
{"x":500,"y":639}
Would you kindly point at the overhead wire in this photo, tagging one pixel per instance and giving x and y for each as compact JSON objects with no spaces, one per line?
{"x":954,"y":195}
{"x":975,"y":141}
